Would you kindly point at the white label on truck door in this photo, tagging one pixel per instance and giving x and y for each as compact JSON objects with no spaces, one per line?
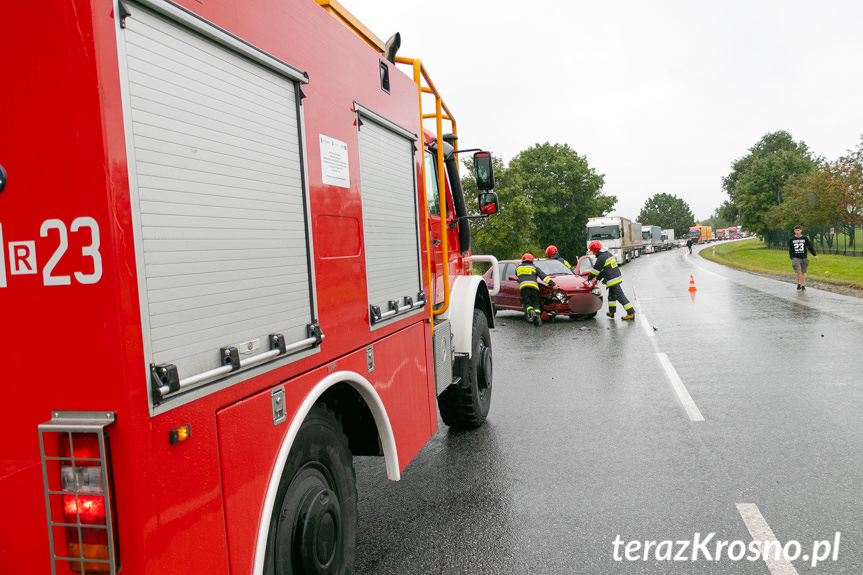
{"x":335,"y":170}
{"x":22,"y":258}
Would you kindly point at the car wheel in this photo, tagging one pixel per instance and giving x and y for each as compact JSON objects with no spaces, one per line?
{"x":314,"y":527}
{"x":466,"y":404}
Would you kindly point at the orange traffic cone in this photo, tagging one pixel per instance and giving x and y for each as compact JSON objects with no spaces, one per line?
{"x":692,"y":284}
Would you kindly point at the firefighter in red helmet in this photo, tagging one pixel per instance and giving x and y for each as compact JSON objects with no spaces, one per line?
{"x":528,"y":276}
{"x":605,"y":269}
{"x":552,"y":253}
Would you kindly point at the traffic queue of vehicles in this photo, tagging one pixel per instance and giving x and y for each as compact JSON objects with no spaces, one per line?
{"x":627,"y":239}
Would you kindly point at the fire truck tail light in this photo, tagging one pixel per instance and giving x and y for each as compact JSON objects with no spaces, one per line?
{"x":79,"y":491}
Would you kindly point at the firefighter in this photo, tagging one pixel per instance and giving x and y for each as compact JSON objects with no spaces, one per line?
{"x":528,"y":276}
{"x":552,"y":253}
{"x":605,"y":269}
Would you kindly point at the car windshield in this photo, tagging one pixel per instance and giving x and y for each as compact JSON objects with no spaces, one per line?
{"x":553,"y":268}
{"x":603,"y":233}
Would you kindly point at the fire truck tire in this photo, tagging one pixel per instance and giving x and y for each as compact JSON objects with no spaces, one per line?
{"x":314,"y":526}
{"x":466,"y":404}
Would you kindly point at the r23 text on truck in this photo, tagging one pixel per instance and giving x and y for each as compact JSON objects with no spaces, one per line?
{"x":231,"y":258}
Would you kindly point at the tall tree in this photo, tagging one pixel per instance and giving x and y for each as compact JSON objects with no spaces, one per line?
{"x":832,"y":195}
{"x":759,"y":179}
{"x":728,"y":213}
{"x":565,"y":192}
{"x":667,"y":212}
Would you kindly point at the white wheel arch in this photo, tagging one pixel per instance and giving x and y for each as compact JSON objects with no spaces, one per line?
{"x":460,"y":312}
{"x":382,"y":421}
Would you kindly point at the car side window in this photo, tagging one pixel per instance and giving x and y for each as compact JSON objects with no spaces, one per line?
{"x":584,"y":266}
{"x":508,"y":270}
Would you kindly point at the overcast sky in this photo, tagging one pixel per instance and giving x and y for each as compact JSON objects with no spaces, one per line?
{"x":660,"y":96}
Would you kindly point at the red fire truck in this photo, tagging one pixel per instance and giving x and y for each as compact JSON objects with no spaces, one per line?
{"x":231,"y":258}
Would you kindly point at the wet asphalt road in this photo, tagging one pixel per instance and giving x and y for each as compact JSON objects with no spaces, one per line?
{"x":589,"y":439}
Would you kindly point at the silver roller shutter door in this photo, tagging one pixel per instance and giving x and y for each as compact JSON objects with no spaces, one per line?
{"x":217,"y":178}
{"x":390,"y":226}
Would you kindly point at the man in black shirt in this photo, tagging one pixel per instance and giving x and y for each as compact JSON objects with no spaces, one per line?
{"x":797,"y":248}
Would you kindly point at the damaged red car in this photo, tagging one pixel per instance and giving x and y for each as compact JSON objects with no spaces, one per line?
{"x":575,"y":298}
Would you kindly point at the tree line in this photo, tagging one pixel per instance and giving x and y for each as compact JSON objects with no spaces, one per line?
{"x":547,"y":194}
{"x":780,"y":183}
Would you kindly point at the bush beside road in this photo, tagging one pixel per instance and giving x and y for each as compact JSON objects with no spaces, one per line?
{"x":841,"y":274}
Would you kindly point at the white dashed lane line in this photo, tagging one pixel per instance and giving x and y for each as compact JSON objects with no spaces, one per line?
{"x":761,"y":533}
{"x":679,"y":388}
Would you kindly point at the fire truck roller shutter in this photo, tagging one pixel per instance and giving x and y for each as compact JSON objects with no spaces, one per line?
{"x":218,"y":197}
{"x":390,"y":216}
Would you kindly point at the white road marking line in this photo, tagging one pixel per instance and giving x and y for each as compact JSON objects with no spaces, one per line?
{"x":761,"y":533}
{"x":646,"y":324}
{"x":688,"y":405}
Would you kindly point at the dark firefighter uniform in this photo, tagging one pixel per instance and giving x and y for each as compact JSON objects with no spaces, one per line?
{"x":558,"y":257}
{"x":528,"y":287}
{"x":605,"y":269}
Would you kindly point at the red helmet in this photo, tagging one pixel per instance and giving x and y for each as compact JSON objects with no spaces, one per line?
{"x":527,"y":258}
{"x":550,"y":250}
{"x":595,"y":246}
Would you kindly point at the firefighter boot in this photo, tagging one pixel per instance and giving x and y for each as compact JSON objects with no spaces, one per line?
{"x":610,"y":314}
{"x":529,"y":314}
{"x":630,"y":315}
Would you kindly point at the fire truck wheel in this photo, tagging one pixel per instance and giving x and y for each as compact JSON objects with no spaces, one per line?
{"x":315,"y":525}
{"x":466,"y":404}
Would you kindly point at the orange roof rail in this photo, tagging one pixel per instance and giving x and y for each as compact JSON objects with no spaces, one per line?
{"x":341,"y":14}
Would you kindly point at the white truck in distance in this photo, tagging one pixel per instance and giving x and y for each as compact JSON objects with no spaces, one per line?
{"x":651,"y":239}
{"x":617,"y":234}
{"x":637,"y":242}
{"x":668,"y":239}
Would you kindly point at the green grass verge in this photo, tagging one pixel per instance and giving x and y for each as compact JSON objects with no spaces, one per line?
{"x":752,"y":255}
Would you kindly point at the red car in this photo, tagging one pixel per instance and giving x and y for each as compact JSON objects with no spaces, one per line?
{"x":575,"y":298}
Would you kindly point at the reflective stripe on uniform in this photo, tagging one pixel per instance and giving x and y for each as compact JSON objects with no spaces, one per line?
{"x":525,"y":284}
{"x":614,"y":281}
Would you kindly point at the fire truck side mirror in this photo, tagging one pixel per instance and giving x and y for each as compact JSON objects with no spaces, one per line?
{"x":483,"y":170}
{"x":488,"y":203}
